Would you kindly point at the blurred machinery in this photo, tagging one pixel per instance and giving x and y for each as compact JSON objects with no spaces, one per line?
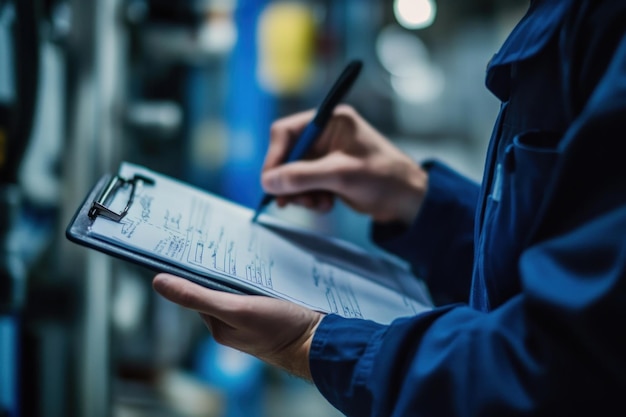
{"x":19,"y":26}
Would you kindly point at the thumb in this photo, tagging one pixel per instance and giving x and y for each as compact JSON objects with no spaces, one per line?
{"x":302,"y":176}
{"x":193,"y":296}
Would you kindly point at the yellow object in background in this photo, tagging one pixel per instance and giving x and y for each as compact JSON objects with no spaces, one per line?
{"x":286,"y":47}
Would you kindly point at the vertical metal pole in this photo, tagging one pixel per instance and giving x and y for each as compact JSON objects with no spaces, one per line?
{"x":95,"y":372}
{"x":95,"y":54}
{"x":12,"y":297}
{"x":8,"y":367}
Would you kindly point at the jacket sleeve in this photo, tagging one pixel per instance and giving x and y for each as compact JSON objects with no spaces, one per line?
{"x":556,"y":348}
{"x":440,"y":243}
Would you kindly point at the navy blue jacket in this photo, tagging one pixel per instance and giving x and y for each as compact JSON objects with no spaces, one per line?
{"x":530,"y":267}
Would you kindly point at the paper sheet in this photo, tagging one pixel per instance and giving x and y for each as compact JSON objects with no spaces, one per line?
{"x":212,"y":236}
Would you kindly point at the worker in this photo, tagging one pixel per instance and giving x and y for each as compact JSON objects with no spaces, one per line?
{"x":528,"y":269}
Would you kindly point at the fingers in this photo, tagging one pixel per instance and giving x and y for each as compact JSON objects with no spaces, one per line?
{"x":284,"y":133}
{"x":321,"y":201}
{"x":219,"y":329}
{"x":329,"y":173}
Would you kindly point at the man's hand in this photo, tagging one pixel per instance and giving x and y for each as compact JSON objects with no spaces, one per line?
{"x":350,"y":160}
{"x":276,"y":331}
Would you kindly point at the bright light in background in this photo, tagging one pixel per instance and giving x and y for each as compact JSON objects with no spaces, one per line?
{"x":424,"y":87}
{"x":399,"y":50}
{"x":414,"y":77}
{"x":415,"y":14}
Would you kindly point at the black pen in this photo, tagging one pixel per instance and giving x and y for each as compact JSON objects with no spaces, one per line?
{"x":316,"y":126}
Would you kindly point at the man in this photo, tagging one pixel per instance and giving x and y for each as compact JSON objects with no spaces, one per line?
{"x":530,"y":267}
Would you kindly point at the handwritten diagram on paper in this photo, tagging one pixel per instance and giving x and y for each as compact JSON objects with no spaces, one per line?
{"x":214,"y":237}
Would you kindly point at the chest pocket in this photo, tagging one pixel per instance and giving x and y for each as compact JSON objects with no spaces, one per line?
{"x":521,"y":179}
{"x":526,"y":75}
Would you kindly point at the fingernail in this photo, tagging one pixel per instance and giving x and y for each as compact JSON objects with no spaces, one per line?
{"x":271,"y":181}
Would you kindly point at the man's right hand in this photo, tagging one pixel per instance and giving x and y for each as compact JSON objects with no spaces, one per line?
{"x":351,"y":160}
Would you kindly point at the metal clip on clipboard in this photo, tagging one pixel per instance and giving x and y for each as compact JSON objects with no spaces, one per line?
{"x":99,"y":205}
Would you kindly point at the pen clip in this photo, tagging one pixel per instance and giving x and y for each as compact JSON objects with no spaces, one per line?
{"x":338,"y":91}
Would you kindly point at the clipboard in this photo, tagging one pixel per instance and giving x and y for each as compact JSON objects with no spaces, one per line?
{"x":95,"y":204}
{"x":163,"y":224}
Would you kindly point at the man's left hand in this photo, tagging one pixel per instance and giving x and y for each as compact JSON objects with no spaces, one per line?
{"x":276,"y":331}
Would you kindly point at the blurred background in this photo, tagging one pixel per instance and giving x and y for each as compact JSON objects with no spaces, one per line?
{"x":190,"y":88}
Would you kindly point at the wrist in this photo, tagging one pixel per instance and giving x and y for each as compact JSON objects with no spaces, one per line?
{"x":298,"y":356}
{"x":417,"y":185}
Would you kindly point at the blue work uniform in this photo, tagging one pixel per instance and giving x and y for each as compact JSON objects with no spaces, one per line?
{"x":529,"y":269}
